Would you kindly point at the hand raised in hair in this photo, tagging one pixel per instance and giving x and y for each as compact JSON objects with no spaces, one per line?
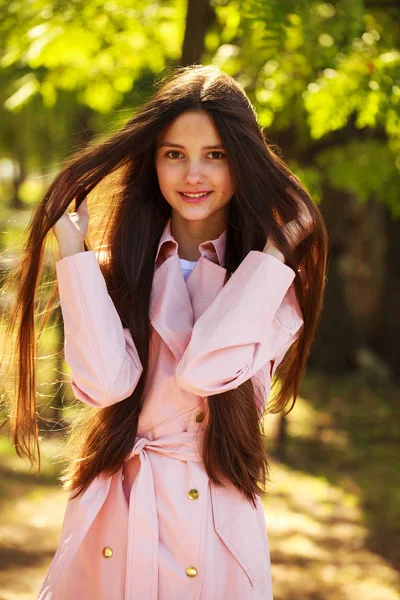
{"x":70,"y":230}
{"x":297,"y":229}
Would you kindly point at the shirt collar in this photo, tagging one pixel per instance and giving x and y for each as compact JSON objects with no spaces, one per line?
{"x":212,"y":250}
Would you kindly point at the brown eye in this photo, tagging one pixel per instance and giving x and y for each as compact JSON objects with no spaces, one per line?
{"x":169,"y":152}
{"x":218,"y":152}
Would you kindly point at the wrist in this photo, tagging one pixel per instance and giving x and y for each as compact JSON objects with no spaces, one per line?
{"x":274,"y":251}
{"x":70,"y":251}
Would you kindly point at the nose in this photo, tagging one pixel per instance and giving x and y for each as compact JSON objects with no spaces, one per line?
{"x":194,"y":174}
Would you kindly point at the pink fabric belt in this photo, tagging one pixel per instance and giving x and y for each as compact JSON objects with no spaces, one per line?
{"x":143,"y":538}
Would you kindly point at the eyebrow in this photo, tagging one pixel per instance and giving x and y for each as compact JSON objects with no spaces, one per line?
{"x":172,"y":144}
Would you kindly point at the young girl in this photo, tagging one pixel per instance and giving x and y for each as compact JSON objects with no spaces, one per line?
{"x":204,"y":281}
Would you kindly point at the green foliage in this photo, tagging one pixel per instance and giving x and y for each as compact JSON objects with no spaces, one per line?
{"x":323,"y":69}
{"x":95,"y":49}
{"x":311,"y":177}
{"x":360,"y":84}
{"x":364,"y":168}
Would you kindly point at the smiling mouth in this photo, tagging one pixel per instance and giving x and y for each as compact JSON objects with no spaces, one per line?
{"x":199,"y":197}
{"x":201,"y":193}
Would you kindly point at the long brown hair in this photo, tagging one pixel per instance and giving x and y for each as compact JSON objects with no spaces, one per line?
{"x":132,"y":219}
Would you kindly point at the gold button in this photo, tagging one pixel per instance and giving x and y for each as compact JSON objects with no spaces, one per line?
{"x":191,"y":571}
{"x":199,"y":417}
{"x":193,"y":494}
{"x":107,"y":552}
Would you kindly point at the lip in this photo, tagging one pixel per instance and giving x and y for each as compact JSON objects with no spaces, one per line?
{"x":195,"y":200}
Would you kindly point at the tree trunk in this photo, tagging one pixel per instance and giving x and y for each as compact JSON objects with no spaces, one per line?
{"x":281,"y":438}
{"x":337,"y":336}
{"x":18,"y":179}
{"x":386,"y":333}
{"x":199,"y":16}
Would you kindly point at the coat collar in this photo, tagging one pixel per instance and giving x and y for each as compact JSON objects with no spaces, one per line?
{"x":176,"y":304}
{"x":212,"y":250}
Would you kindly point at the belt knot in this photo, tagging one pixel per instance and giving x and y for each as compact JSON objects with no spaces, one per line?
{"x":139,"y":445}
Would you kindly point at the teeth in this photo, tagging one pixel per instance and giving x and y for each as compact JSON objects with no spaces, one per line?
{"x":195,"y":195}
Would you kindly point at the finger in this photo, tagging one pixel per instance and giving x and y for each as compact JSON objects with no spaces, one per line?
{"x":296,"y":231}
{"x":295,"y":180}
{"x":83,"y":207}
{"x":292,"y":232}
{"x":303,"y":214}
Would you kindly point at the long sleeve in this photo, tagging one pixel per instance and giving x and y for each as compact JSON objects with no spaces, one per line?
{"x":252,"y":321}
{"x":105,"y":365}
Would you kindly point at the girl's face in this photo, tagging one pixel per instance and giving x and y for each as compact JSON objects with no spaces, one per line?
{"x":190,"y":158}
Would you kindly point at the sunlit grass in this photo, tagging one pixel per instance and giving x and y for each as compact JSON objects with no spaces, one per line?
{"x":319,"y":542}
{"x":333,"y":505}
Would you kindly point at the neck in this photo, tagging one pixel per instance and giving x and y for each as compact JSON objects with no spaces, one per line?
{"x":190,"y":234}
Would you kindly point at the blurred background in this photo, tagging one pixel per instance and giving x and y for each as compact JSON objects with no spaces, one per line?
{"x":324,"y":78}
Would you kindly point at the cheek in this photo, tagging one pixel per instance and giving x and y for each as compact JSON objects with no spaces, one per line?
{"x":162,"y":174}
{"x":227,"y":183}
{"x":165,"y":174}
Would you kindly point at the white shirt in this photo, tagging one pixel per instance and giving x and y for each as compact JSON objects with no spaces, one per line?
{"x":187,"y":267}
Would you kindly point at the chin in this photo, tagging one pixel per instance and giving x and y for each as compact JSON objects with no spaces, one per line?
{"x":194,"y":214}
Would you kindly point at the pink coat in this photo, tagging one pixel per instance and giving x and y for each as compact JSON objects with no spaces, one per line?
{"x":158,"y":528}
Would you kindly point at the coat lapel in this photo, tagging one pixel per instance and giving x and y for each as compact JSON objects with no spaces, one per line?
{"x":203,"y":284}
{"x":176,"y":304}
{"x":171,"y":311}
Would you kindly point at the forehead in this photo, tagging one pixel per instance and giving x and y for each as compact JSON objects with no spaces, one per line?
{"x":196,"y":124}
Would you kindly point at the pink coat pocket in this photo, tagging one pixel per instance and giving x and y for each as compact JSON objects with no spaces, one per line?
{"x":239,"y":526}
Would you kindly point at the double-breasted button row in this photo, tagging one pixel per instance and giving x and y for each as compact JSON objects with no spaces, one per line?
{"x":193,"y":495}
